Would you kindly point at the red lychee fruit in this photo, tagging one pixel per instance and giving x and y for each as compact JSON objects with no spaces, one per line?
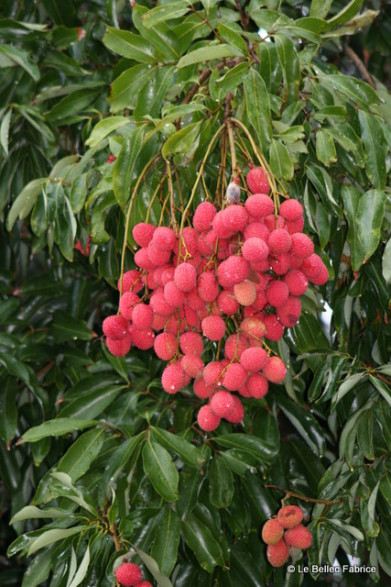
{"x":257,"y":385}
{"x":259,"y":205}
{"x":234,"y":346}
{"x":289,"y":312}
{"x":173,"y":378}
{"x":119,"y":348}
{"x":143,"y":233}
{"x":207,"y":420}
{"x":165,"y":346}
{"x":298,"y":537}
{"x":237,"y":413}
{"x":203,"y":216}
{"x":295,"y":225}
{"x":302,"y":245}
{"x":129,"y":575}
{"x":255,"y":250}
{"x":191,"y":343}
{"x":192,"y":365}
{"x":273,"y":223}
{"x":173,"y":295}
{"x":281,"y":264}
{"x":257,"y":181}
{"x":222,"y":403}
{"x":233,"y":270}
{"x":234,"y":377}
{"x":277,"y":293}
{"x":188,"y":241}
{"x":277,"y":554}
{"x":291,"y":210}
{"x":131,"y":281}
{"x":256,"y":230}
{"x":235,"y":218}
{"x":142,"y":260}
{"x":194,"y":301}
{"x":253,"y":327}
{"x":226,"y":302}
{"x":272,"y":532}
{"x":254,"y":359}
{"x":274,"y":328}
{"x":213,"y":327}
{"x":142,"y":316}
{"x":208,"y":288}
{"x":185,"y":277}
{"x":290,"y":516}
{"x":220,"y":228}
{"x":274,"y":370}
{"x":312,"y":266}
{"x":296,"y":281}
{"x":279,"y":241}
{"x":143,"y":339}
{"x":212,"y":373}
{"x":145,"y":584}
{"x":202,"y":390}
{"x":126,"y":304}
{"x":157,"y":256}
{"x":245,"y":292}
{"x":164,"y":238}
{"x":322,"y":277}
{"x":115,"y":327}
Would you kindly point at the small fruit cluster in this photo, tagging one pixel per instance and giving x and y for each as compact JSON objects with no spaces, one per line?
{"x":284,"y":533}
{"x":234,"y":278}
{"x":130,"y":575}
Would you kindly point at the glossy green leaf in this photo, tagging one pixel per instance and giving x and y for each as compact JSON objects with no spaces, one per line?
{"x":92,"y":403}
{"x":123,"y":168}
{"x":25,"y":201}
{"x":365,"y":435}
{"x":233,"y":77}
{"x":124,"y":89}
{"x":31,"y":512}
{"x":164,"y":12}
{"x":209,"y":53}
{"x":50,"y":536}
{"x":129,"y":45}
{"x":151,"y":97}
{"x":201,"y":541}
{"x":288,"y":58}
{"x":78,"y":458}
{"x":8,"y":412}
{"x":182,"y":140}
{"x":56,"y":427}
{"x":64,"y":327}
{"x":357,"y":91}
{"x":22,"y":58}
{"x":4,"y":130}
{"x":187,"y":451}
{"x":104,"y":128}
{"x":351,"y":199}
{"x":258,"y":107}
{"x":167,"y":537}
{"x":161,"y":36}
{"x":382,"y":388}
{"x":161,"y":471}
{"x":376,"y":148}
{"x":153,"y":568}
{"x":320,"y":8}
{"x":348,"y":12}
{"x":231,"y":36}
{"x":256,"y":447}
{"x":280,"y":161}
{"x":386,"y":263}
{"x":348,"y":383}
{"x":15,"y":367}
{"x":221,"y":486}
{"x":370,"y":215}
{"x":325,"y":148}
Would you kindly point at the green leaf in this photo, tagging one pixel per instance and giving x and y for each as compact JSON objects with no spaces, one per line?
{"x":78,"y":192}
{"x":231,"y":35}
{"x":123,"y":168}
{"x":201,"y":541}
{"x":25,"y":201}
{"x":348,"y":383}
{"x":164,"y":12}
{"x":320,"y":8}
{"x":353,"y":26}
{"x":78,"y":458}
{"x":221,"y":486}
{"x":104,"y":128}
{"x":161,"y":36}
{"x":351,"y":199}
{"x":386,"y":263}
{"x":370,"y":215}
{"x":153,"y":568}
{"x":347,"y":440}
{"x":92,"y":403}
{"x":65,"y":327}
{"x":233,"y":77}
{"x":348,"y":12}
{"x":15,"y":367}
{"x":125,"y":89}
{"x":376,"y":148}
{"x":167,"y":537}
{"x":8,"y":412}
{"x":50,"y":536}
{"x":56,"y":427}
{"x":73,"y":105}
{"x":22,"y":58}
{"x":290,"y":64}
{"x":382,"y":388}
{"x":31,"y":512}
{"x":182,"y":140}
{"x":151,"y":96}
{"x":4,"y":130}
{"x":160,"y":470}
{"x":129,"y":45}
{"x":365,"y":435}
{"x":187,"y":451}
{"x":210,"y":53}
{"x":357,"y":91}
{"x":325,"y":148}
{"x":256,"y":447}
{"x":258,"y":107}
{"x":280,"y":161}
{"x":82,"y":570}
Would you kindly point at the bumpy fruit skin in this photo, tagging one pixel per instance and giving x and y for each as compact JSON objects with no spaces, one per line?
{"x":277,"y":554}
{"x":143,"y":233}
{"x":207,"y":420}
{"x":279,"y":241}
{"x":129,"y":575}
{"x":201,"y":389}
{"x":245,"y":292}
{"x":291,"y":210}
{"x":233,"y":270}
{"x":119,"y":348}
{"x":235,"y":377}
{"x":145,"y":584}
{"x":254,"y":359}
{"x":185,"y":277}
{"x":274,"y":370}
{"x":165,"y":346}
{"x":213,"y":327}
{"x":173,"y":378}
{"x":277,"y":293}
{"x":257,"y":385}
{"x":191,"y":343}
{"x":222,"y":404}
{"x":272,"y":532}
{"x":237,"y":413}
{"x":298,"y":537}
{"x":131,"y":281}
{"x":115,"y":327}
{"x":290,"y":516}
{"x":203,"y":216}
{"x":255,"y":250}
{"x":257,"y":181}
{"x":259,"y":205}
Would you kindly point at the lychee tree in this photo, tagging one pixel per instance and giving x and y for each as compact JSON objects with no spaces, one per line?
{"x":195,"y":295}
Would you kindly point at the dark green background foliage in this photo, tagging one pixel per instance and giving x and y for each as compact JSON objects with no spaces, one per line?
{"x":107,"y":458}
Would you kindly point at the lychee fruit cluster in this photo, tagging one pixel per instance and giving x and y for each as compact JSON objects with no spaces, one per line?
{"x":284,"y":533}
{"x":130,"y":575}
{"x":231,"y":280}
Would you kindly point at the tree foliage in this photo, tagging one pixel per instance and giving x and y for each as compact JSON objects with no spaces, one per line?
{"x":96,"y":459}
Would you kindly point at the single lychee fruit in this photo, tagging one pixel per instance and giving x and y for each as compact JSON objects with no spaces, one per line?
{"x":255,"y":250}
{"x":295,"y":225}
{"x":145,"y":584}
{"x":245,"y":292}
{"x":302,"y":245}
{"x":185,"y":277}
{"x":234,"y":346}
{"x":143,"y":339}
{"x":272,"y":532}
{"x":222,"y":403}
{"x":281,"y":263}
{"x":290,"y":516}
{"x":119,"y":348}
{"x":115,"y":327}
{"x":253,"y":359}
{"x":234,"y":377}
{"x":159,"y":304}
{"x":256,"y":230}
{"x":173,"y":378}
{"x":226,"y":302}
{"x":203,"y":216}
{"x":157,"y":256}
{"x":274,"y":328}
{"x":142,"y":260}
{"x":173,"y":295}
{"x":233,"y":270}
{"x":298,"y":537}
{"x":192,"y":365}
{"x":191,"y":343}
{"x":277,"y":554}
{"x":253,"y":327}
{"x":129,"y":575}
{"x":207,"y":419}
{"x":291,"y":210}
{"x":212,"y":373}
{"x":213,"y":327}
{"x":143,"y":233}
{"x":202,"y":390}
{"x":237,"y":413}
{"x":322,"y":277}
{"x":277,"y":293}
{"x":131,"y":281}
{"x":142,"y":316}
{"x":312,"y":266}
{"x":279,"y":241}
{"x":164,"y":238}
{"x":259,"y":205}
{"x":257,"y":181}
{"x":289,"y":312}
{"x":235,"y":218}
{"x":126,"y":304}
{"x":165,"y":346}
{"x":296,"y":281}
{"x":257,"y":385}
{"x":274,"y":370}
{"x":208,"y":288}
